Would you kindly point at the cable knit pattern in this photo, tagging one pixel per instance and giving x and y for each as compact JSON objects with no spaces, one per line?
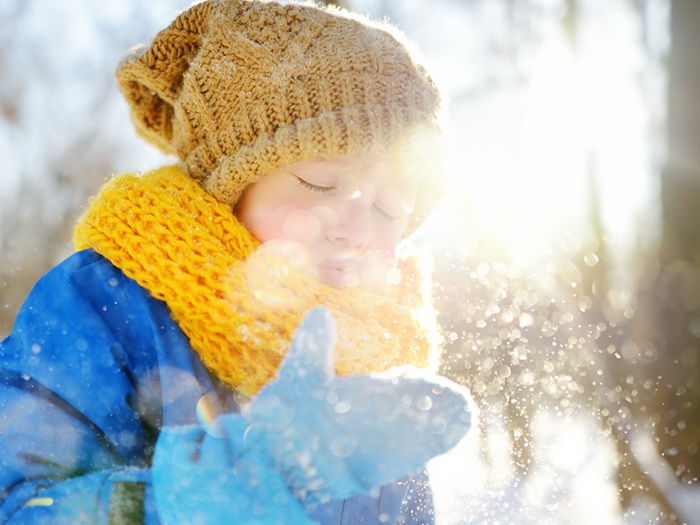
{"x":238,"y":303}
{"x":238,"y":88}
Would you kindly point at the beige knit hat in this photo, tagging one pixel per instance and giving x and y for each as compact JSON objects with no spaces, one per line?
{"x":238,"y":88}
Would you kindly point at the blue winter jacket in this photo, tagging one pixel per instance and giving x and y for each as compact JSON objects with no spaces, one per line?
{"x":93,"y":369}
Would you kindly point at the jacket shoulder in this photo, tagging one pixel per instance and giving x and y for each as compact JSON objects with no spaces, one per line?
{"x":85,"y":298}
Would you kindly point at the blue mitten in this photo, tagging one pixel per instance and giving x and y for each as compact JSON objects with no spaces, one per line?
{"x":200,"y":478}
{"x":306,"y":438}
{"x":335,"y":437}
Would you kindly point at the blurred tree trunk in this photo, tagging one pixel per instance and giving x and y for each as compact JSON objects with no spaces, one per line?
{"x":681,"y":178}
{"x":678,"y":289}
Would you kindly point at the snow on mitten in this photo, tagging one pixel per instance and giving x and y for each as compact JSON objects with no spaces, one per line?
{"x":335,"y":437}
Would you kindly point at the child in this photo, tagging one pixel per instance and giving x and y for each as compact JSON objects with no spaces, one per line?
{"x":144,"y":380}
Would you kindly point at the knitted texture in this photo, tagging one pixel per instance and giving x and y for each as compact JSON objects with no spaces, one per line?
{"x":238,"y":303}
{"x":238,"y":88}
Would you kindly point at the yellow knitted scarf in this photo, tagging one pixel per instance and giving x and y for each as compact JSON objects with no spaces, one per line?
{"x":239,"y":304}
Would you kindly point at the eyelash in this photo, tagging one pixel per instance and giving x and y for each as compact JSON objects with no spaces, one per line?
{"x":313,"y":187}
{"x":327,"y":189}
{"x":384,"y":215}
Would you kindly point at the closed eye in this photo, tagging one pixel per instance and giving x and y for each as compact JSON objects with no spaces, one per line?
{"x":314,"y":187}
{"x":384,"y":215}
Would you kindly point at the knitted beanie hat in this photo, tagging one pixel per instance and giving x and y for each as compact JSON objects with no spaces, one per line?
{"x":238,"y":88}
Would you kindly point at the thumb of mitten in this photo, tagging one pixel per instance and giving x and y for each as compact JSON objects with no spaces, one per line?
{"x":305,"y":370}
{"x":310,"y":358}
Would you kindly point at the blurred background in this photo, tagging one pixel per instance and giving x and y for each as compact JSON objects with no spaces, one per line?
{"x":567,"y":253}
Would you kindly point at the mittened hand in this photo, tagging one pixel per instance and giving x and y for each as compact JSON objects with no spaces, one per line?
{"x":306,"y":438}
{"x":335,"y":437}
{"x":210,"y":479}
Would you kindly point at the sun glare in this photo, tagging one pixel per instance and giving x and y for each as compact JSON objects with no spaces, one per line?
{"x":533,"y":160}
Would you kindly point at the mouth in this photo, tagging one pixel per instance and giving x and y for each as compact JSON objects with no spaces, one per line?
{"x":340,"y":273}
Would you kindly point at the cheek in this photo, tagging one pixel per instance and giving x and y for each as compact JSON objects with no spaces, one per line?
{"x":301,"y":226}
{"x":286,"y":221}
{"x":381,"y":256}
{"x":388,"y":239}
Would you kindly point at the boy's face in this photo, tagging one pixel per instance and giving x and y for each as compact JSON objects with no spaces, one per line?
{"x":343,"y":217}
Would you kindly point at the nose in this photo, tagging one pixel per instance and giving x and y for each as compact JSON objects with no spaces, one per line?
{"x":351,"y":229}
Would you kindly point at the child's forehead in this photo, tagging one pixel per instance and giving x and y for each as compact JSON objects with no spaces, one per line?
{"x":354,"y":165}
{"x":358,"y":167}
